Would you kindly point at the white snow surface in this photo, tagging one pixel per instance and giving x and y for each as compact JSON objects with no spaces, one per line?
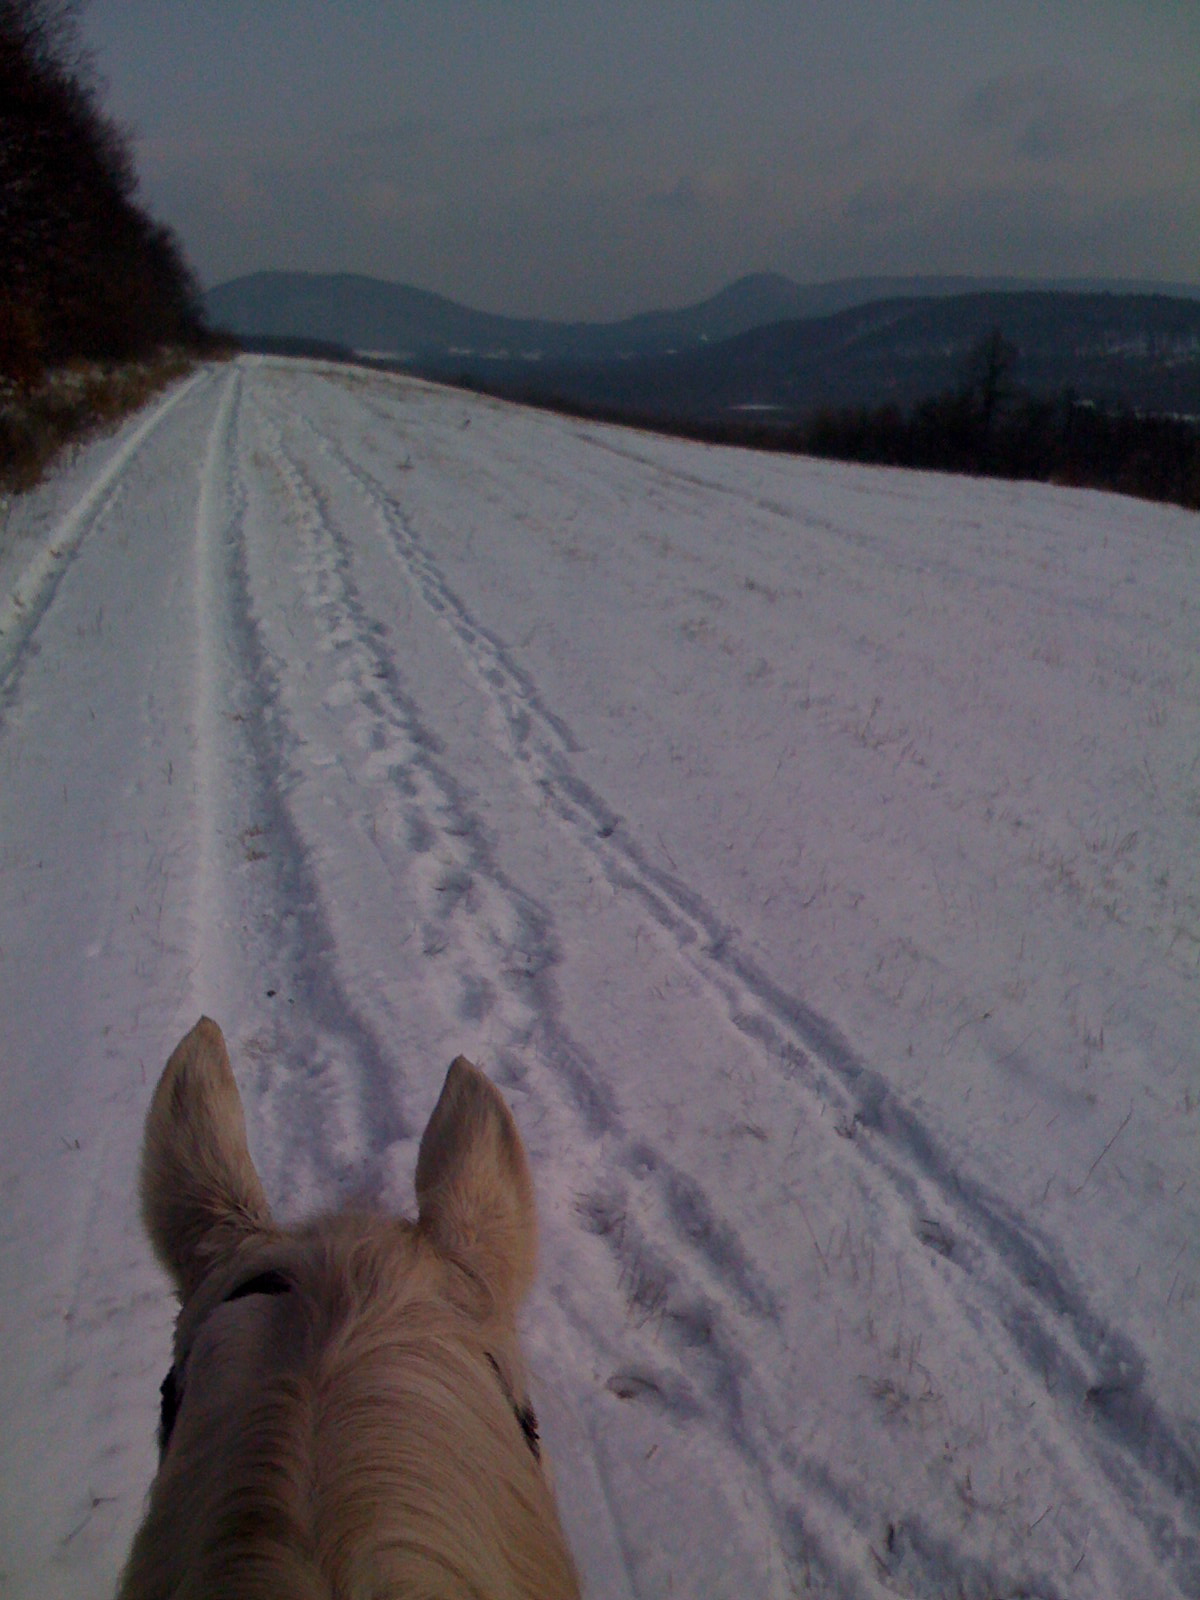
{"x":811,"y":854}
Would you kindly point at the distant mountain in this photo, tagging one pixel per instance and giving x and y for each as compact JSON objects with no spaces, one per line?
{"x":1123,"y":350}
{"x":396,"y":322}
{"x":364,"y":315}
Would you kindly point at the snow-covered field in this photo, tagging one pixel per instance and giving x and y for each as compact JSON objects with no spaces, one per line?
{"x":812,"y":854}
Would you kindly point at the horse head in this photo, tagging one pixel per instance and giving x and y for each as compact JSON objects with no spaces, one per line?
{"x":347,"y":1413}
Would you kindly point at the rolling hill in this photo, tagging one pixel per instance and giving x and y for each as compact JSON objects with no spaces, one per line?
{"x":402,"y":323}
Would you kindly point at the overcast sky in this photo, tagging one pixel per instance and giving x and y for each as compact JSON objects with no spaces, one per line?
{"x":591,"y":158}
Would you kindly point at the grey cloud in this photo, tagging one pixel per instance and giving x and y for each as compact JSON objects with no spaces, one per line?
{"x":549,"y":131}
{"x":878,"y":203}
{"x":1001,"y":102}
{"x":401,"y":133}
{"x":1040,"y":115}
{"x":1031,"y":230}
{"x":1047,"y":136}
{"x":864,"y":138}
{"x":1046,"y":116}
{"x":684,"y":199}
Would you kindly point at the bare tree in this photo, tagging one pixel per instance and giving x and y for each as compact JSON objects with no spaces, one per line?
{"x":989,"y":371}
{"x":84,"y":271}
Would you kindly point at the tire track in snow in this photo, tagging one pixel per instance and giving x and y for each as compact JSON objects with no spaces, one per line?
{"x":246,"y":758}
{"x":540,"y":1021}
{"x":381,"y":741}
{"x":499,"y":941}
{"x":1095,"y":1371}
{"x":208,"y":585}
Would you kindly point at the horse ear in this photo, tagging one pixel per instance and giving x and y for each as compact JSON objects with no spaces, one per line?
{"x":474,"y":1189}
{"x":201,"y":1196}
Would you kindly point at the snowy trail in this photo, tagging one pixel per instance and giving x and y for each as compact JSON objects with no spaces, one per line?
{"x":21,"y":607}
{"x":434,"y":726}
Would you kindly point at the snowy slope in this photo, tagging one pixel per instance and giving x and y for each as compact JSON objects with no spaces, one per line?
{"x":811,"y":853}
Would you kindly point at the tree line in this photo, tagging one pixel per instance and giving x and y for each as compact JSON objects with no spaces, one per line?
{"x":988,"y":426}
{"x":85,"y":272}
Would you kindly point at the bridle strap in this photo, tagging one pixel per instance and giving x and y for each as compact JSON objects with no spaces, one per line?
{"x":525,"y":1414}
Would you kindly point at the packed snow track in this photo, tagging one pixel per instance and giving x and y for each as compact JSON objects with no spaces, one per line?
{"x":812,"y":856}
